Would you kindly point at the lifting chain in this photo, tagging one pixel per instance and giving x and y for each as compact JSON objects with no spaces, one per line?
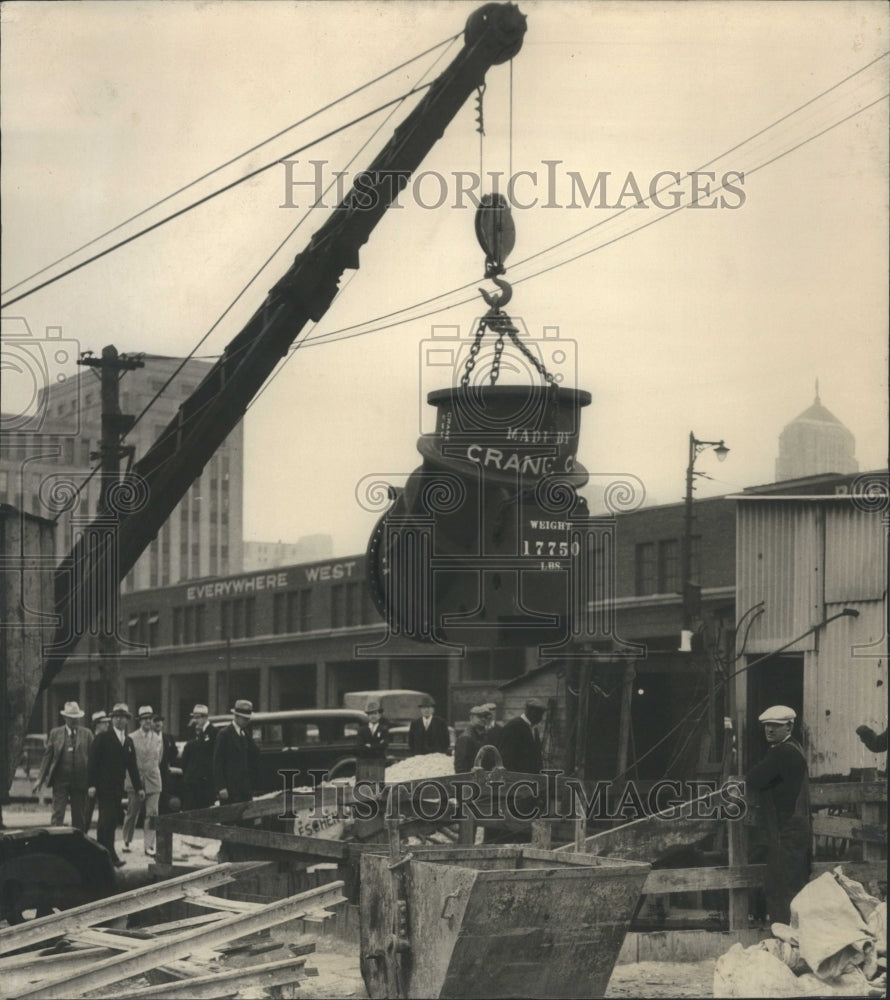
{"x":497,"y":235}
{"x":500,"y":324}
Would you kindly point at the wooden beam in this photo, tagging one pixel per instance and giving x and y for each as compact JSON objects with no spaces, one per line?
{"x":290,"y":842}
{"x":849,"y":828}
{"x":34,"y":931}
{"x":227,"y":983}
{"x":169,"y":949}
{"x":843,"y":793}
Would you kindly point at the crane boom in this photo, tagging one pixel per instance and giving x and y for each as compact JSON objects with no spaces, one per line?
{"x":493,"y":35}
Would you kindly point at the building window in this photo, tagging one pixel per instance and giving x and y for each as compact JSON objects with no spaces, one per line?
{"x":249,"y":615}
{"x":669,"y":566}
{"x":177,"y":626}
{"x":225,"y":619}
{"x":153,"y":619}
{"x":646,"y":568}
{"x":338,"y":605}
{"x":200,"y":622}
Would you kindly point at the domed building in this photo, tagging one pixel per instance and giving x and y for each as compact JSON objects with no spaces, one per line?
{"x":813,"y":443}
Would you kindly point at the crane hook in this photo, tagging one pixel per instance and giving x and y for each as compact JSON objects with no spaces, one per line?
{"x":495,"y":300}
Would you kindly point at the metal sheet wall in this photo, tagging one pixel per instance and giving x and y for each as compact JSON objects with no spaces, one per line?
{"x":778,"y":562}
{"x":808,"y":560}
{"x":845,"y":685}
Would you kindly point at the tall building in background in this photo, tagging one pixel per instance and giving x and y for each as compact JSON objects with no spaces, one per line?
{"x":265,"y":555}
{"x":813,"y":443}
{"x":46,"y":461}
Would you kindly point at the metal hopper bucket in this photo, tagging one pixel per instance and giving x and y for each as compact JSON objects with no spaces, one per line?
{"x":510,"y":921}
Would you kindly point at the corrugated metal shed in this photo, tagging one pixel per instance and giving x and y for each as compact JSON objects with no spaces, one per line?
{"x":807,"y":559}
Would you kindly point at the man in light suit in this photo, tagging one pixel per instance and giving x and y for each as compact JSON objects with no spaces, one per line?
{"x":65,"y":766}
{"x":149,"y":749}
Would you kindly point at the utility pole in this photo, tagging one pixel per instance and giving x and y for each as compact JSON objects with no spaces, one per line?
{"x":109,"y":368}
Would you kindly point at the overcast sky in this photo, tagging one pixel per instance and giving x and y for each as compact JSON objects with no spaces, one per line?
{"x":714,"y":320}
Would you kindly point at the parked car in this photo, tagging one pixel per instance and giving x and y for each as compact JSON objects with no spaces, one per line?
{"x":319,"y":739}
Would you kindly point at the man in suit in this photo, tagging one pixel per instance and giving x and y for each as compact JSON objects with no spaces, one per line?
{"x":169,"y":761}
{"x":236,"y":758}
{"x":101,"y":721}
{"x":112,"y":756}
{"x":429,"y":733}
{"x":149,"y":749}
{"x":373,"y":736}
{"x":64,"y":767}
{"x":197,"y":762}
{"x":520,"y":740}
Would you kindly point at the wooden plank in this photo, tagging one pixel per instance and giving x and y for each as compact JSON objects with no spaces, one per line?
{"x":199,"y":898}
{"x":290,"y":842}
{"x":845,"y":793}
{"x":34,"y":931}
{"x":684,"y":946}
{"x":862,"y":871}
{"x":222,"y":984}
{"x":71,"y":955}
{"x":702,"y":879}
{"x":849,"y":828}
{"x":169,"y":949}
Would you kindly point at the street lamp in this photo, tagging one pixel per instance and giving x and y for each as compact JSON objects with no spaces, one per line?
{"x":690,"y":594}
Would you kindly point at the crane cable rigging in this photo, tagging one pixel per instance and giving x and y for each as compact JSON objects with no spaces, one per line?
{"x":166,"y":384}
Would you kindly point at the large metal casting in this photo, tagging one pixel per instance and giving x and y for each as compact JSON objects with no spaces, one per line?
{"x":479,"y":547}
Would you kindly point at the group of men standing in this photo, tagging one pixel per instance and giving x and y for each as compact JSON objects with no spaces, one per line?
{"x":96,"y":768}
{"x":518,"y":742}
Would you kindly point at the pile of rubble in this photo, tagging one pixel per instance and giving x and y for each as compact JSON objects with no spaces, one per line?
{"x":835,"y":945}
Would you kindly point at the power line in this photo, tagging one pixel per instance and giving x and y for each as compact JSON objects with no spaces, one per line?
{"x":212,"y":195}
{"x":336,"y":334}
{"x":229,"y":162}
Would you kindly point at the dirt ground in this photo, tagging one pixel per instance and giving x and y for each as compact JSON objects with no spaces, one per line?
{"x":339,"y":976}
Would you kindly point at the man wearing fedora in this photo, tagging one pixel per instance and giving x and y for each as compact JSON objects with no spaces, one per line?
{"x":197,"y":761}
{"x":781,"y":784}
{"x":149,"y":749}
{"x":65,"y":766}
{"x":101,"y":721}
{"x":429,"y":733}
{"x":236,"y":758}
{"x":112,"y":756}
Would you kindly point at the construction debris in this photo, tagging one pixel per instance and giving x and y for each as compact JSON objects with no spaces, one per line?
{"x":836,"y":945}
{"x":192,"y":957}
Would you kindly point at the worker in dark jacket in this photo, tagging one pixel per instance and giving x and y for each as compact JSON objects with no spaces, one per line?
{"x":236,"y":758}
{"x":782,"y":786}
{"x":520,"y":740}
{"x":112,"y":756}
{"x":197,"y":762}
{"x":471,"y":740}
{"x":429,"y":733}
{"x":876,"y":742}
{"x":372,"y":739}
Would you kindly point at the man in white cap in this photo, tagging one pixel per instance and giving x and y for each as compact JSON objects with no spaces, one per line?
{"x":782,"y":785}
{"x":65,"y":767}
{"x":149,"y":749}
{"x":236,"y":758}
{"x":197,"y":762}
